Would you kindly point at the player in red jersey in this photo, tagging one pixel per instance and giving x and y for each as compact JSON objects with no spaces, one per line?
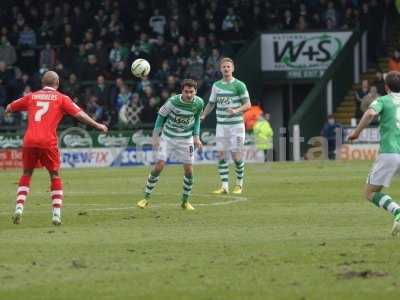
{"x":45,"y":108}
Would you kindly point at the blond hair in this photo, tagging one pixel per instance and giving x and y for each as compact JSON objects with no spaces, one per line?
{"x":226,"y":59}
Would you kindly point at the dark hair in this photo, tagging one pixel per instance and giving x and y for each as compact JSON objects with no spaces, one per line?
{"x":330,"y":116}
{"x":392,"y":81}
{"x":189,"y":83}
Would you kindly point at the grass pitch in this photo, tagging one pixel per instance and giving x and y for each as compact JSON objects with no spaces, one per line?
{"x":299,"y":231}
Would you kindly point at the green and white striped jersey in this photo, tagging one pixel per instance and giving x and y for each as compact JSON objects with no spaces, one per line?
{"x":180,"y":119}
{"x":229,"y":95}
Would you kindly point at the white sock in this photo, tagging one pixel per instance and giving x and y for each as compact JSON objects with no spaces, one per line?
{"x":225,"y":185}
{"x":57,"y":211}
{"x":19,"y":207}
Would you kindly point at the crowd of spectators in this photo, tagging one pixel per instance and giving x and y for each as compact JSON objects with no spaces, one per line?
{"x":92,"y":43}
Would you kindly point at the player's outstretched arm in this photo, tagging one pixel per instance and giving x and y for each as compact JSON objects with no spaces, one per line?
{"x":209,"y":108}
{"x":84,"y":118}
{"x":366,"y":119}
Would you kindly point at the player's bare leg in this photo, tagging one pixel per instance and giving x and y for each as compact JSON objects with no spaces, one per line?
{"x":22,"y":192}
{"x":187,"y":186}
{"x":373,"y":193}
{"x":239,"y":170}
{"x":152,"y":180}
{"x":57,"y":196}
{"x":223,"y":170}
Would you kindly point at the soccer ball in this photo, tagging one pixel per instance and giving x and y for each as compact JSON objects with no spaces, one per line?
{"x":140,"y":68}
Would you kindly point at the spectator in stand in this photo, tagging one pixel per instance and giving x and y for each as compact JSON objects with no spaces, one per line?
{"x":129,"y":114}
{"x":172,"y":85}
{"x":182,"y":67}
{"x":394,"y":61}
{"x":202,"y":48}
{"x":195,"y":67}
{"x":350,"y":19}
{"x":7,"y":77}
{"x":174,"y":57}
{"x":164,"y":95}
{"x":160,"y":51}
{"x":94,"y":109}
{"x":27,"y":37}
{"x":124,"y":97}
{"x":288,"y":20}
{"x":145,"y":46}
{"x":157,"y":22}
{"x":3,"y":97}
{"x":102,"y":91}
{"x":21,"y":82}
{"x":316,"y":21}
{"x":331,"y":14}
{"x":301,"y":24}
{"x":7,"y":52}
{"x":91,"y":69}
{"x":213,"y":59}
{"x":149,"y":111}
{"x":163,"y":73}
{"x":27,"y":42}
{"x":121,"y":70}
{"x":117,"y":54}
{"x":379,"y":82}
{"x":72,"y":87}
{"x":148,"y":94}
{"x":101,"y":19}
{"x":183,"y":46}
{"x":47,"y":56}
{"x":231,"y":24}
{"x":67,"y":53}
{"x":360,"y":94}
{"x":369,"y":98}
{"x":115,"y":89}
{"x":258,"y":23}
{"x":173,"y":31}
{"x":102,"y":54}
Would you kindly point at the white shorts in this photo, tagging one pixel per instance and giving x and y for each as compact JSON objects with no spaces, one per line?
{"x":230,"y":137}
{"x":385,"y":167}
{"x":180,"y":150}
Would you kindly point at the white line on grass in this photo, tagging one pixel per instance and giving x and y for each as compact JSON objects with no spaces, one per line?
{"x":235,"y":200}
{"x":83,"y":206}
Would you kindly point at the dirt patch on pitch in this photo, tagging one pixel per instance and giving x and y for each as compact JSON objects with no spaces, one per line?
{"x":361,"y":274}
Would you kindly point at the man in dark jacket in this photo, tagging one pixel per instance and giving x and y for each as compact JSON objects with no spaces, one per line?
{"x":329,"y":132}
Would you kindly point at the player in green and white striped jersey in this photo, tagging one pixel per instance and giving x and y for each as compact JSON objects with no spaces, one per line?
{"x":178,"y":122}
{"x":387,"y":163}
{"x":231,"y":97}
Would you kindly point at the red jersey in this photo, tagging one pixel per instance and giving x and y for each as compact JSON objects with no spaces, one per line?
{"x":46,"y":109}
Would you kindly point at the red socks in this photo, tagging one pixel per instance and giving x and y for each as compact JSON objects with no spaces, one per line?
{"x":23,"y":190}
{"x":56,"y":192}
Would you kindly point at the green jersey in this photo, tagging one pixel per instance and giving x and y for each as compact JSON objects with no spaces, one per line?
{"x":229,"y":95}
{"x":180,"y":119}
{"x":388,"y":108}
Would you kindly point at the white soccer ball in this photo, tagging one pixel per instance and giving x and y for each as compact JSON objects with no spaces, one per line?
{"x":140,"y":68}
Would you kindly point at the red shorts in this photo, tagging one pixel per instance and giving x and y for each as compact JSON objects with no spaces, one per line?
{"x":41,"y":157}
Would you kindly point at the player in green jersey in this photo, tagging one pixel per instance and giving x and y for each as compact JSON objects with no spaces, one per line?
{"x":387,"y":163}
{"x":178,"y":123}
{"x":231,"y":97}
